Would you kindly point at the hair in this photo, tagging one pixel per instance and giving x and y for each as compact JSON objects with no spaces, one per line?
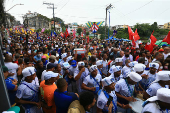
{"x":38,"y":51}
{"x":17,"y":55}
{"x":61,"y":83}
{"x":141,"y":60}
{"x":39,"y":61}
{"x":44,"y":50}
{"x":127,"y":50}
{"x":86,"y":98}
{"x":156,"y":54}
{"x":126,"y":61}
{"x":140,"y":54}
{"x":20,"y":61}
{"x":146,"y":51}
{"x":8,"y":58}
{"x":53,"y":53}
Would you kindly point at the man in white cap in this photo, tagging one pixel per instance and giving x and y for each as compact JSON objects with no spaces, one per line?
{"x":125,"y":90}
{"x":150,"y":75}
{"x":107,"y":96}
{"x":100,"y":66}
{"x":159,"y":103}
{"x":80,"y":74}
{"x":92,"y":83}
{"x":162,"y":81}
{"x":47,"y":88}
{"x":64,"y":59}
{"x":126,"y":68}
{"x":27,"y":93}
{"x":116,"y":73}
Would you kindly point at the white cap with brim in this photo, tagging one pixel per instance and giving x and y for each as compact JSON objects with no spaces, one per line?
{"x":64,"y":55}
{"x":69,"y":58}
{"x":107,"y":81}
{"x":154,"y":65}
{"x":81,"y":63}
{"x":163,"y":95}
{"x":50,"y":74}
{"x":92,"y":68}
{"x":118,"y":60}
{"x":116,"y":69}
{"x":162,"y":75}
{"x":132,"y":64}
{"x":28,"y":72}
{"x":139,"y":67}
{"x":66,"y":65}
{"x":134,"y":76}
{"x":99,"y":62}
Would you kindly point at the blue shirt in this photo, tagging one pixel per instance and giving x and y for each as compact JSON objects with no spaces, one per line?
{"x":10,"y":88}
{"x":37,"y":58}
{"x":63,"y":100}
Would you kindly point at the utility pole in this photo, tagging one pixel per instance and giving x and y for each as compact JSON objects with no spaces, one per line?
{"x":53,"y":10}
{"x":107,"y":8}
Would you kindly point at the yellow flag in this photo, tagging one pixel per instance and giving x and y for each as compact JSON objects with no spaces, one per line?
{"x":10,"y":29}
{"x":16,"y":31}
{"x":32,"y":30}
{"x":22,"y":30}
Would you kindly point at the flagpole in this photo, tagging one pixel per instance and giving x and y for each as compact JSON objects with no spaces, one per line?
{"x":94,"y":28}
{"x":109,"y":25}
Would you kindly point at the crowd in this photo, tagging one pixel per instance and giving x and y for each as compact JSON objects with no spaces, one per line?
{"x":49,"y":74}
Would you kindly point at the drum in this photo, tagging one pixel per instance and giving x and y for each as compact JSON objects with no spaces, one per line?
{"x":137,"y":105}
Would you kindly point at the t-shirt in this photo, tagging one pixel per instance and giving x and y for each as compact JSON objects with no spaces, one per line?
{"x":63,"y":100}
{"x":90,"y":82}
{"x":12,"y":69}
{"x":152,"y":107}
{"x":37,"y":58}
{"x":10,"y":88}
{"x":47,"y":93}
{"x":116,"y":79}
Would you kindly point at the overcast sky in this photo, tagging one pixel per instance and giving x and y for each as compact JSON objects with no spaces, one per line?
{"x":127,"y":12}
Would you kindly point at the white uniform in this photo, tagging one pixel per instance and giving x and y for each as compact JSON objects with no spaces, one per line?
{"x":12,"y":69}
{"x":102,"y":100}
{"x":152,"y":90}
{"x":105,"y":67}
{"x":26,"y":93}
{"x":116,"y":79}
{"x":42,"y":75}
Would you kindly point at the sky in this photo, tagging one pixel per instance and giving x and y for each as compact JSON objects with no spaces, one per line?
{"x":123,"y":12}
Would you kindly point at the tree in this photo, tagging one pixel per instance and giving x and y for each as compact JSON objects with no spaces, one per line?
{"x":79,"y":30}
{"x":87,"y":33}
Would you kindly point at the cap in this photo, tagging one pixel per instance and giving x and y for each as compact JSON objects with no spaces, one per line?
{"x":164,"y":45}
{"x":132,"y":64}
{"x":69,"y":58}
{"x":118,"y":60}
{"x":57,"y":55}
{"x":81,"y":63}
{"x":107,"y":81}
{"x":92,"y":68}
{"x":56,"y":45}
{"x":43,"y":57}
{"x":51,"y":65}
{"x":5,"y":69}
{"x":161,"y":50}
{"x":134,"y":76}
{"x":115,"y":69}
{"x":111,"y":69}
{"x":99,"y":62}
{"x":139,"y":67}
{"x":154,"y":65}
{"x":26,"y":60}
{"x":52,"y":57}
{"x":163,"y":94}
{"x":64,"y":55}
{"x":50,"y":74}
{"x":28,"y":71}
{"x":66,"y":65}
{"x":73,"y":63}
{"x":91,"y":48}
{"x":163,"y":75}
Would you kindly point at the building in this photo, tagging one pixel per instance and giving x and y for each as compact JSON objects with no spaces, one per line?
{"x":167,"y":25}
{"x":72,"y":26}
{"x":36,"y":21}
{"x":120,"y":26}
{"x":161,"y":26}
{"x":58,"y":27}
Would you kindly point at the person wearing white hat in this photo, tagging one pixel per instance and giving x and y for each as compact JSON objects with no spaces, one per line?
{"x":162,"y":80}
{"x":100,"y":66}
{"x":92,"y":83}
{"x":125,"y":90}
{"x":119,"y":62}
{"x":64,"y":59}
{"x":116,"y":75}
{"x":159,"y":103}
{"x":126,"y":68}
{"x":80,"y":74}
{"x":149,"y":76}
{"x":107,"y":96}
{"x":27,"y":93}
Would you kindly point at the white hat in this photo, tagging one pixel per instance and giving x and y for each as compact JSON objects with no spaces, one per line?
{"x":111,"y":69}
{"x":28,"y":71}
{"x":132,"y":64}
{"x":92,"y":68}
{"x":66,"y":65}
{"x":163,"y":94}
{"x":139,"y":67}
{"x":99,"y":62}
{"x":134,"y":76}
{"x":57,"y":55}
{"x":107,"y":81}
{"x":91,"y":48}
{"x":154,"y":65}
{"x":81,"y":63}
{"x":64,"y":55}
{"x":115,"y":69}
{"x":163,"y":75}
{"x":50,"y":74}
{"x":69,"y":58}
{"x":118,"y":60}
{"x":56,"y":45}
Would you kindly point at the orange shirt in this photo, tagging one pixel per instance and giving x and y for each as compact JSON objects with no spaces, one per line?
{"x":47,"y":92}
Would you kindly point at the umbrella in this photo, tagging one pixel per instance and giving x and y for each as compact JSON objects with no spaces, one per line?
{"x":160,"y":43}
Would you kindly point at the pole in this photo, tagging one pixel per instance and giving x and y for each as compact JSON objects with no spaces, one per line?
{"x":105,"y":23}
{"x":53,"y":17}
{"x":109,"y":25}
{"x":94,"y":28}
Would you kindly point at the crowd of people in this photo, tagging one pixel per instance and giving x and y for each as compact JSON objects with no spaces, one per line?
{"x":50,"y":74}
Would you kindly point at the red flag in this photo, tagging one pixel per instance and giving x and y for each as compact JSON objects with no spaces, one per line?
{"x":167,"y":38}
{"x":130,"y":33}
{"x":153,"y":39}
{"x":87,"y":39}
{"x":74,"y":34}
{"x":136,"y":36}
{"x":66,"y":33}
{"x":149,"y":47}
{"x":62,"y":35}
{"x":81,"y":34}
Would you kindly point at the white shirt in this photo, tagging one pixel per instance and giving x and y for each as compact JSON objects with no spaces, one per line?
{"x":152,"y":107}
{"x":12,"y":69}
{"x":42,"y":76}
{"x":72,"y":70}
{"x":154,"y":60}
{"x":90,"y":82}
{"x":166,"y":55}
{"x":122,"y":88}
{"x":124,"y":58}
{"x":125,"y":69}
{"x":102,"y":100}
{"x":146,"y":61}
{"x":116,"y":79}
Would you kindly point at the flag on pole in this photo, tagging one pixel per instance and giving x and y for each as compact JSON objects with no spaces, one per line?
{"x":55,"y":33}
{"x":87,"y":38}
{"x":81,"y":34}
{"x":153,"y":39}
{"x":167,"y":38}
{"x":43,"y":30}
{"x":61,"y":34}
{"x":130,"y":33}
{"x":66,"y":33}
{"x":74,"y":34}
{"x":94,"y":27}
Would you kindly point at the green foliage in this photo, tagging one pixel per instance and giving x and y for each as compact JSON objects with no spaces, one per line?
{"x":43,"y":17}
{"x":87,"y":33}
{"x":38,"y":30}
{"x":101,"y":31}
{"x":79,"y":30}
{"x":59,"y":20}
{"x":47,"y":31}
